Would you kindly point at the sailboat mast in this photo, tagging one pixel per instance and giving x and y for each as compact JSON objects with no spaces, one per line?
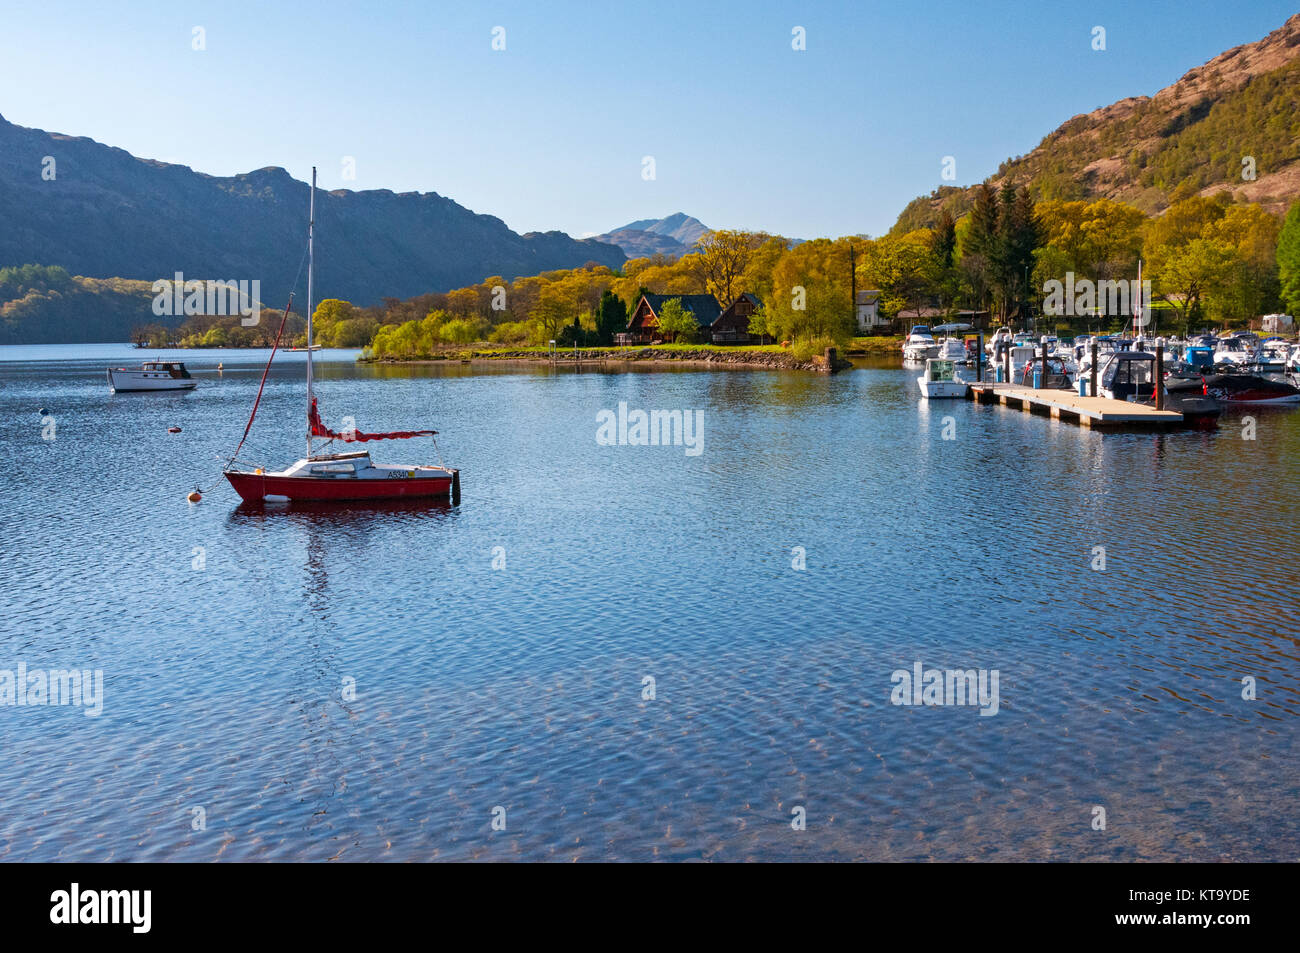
{"x":1137,"y":310}
{"x":311,"y":267}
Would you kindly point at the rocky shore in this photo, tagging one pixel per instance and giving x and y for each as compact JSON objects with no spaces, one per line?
{"x":698,"y":357}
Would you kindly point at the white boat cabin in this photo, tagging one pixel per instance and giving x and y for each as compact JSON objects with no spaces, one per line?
{"x":357,"y":465}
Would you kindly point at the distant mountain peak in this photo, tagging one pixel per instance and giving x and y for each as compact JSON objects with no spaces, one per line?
{"x":674,"y":234}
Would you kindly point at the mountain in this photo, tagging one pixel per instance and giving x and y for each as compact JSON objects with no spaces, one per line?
{"x":673,"y":235}
{"x":1189,"y":138}
{"x":107,"y":213}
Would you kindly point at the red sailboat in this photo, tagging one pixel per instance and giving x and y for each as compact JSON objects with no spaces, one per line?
{"x":341,"y":476}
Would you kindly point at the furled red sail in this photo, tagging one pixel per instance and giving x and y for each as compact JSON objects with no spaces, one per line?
{"x":318,"y":429}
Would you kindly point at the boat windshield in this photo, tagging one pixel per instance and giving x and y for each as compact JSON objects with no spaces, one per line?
{"x":1132,"y":372}
{"x":941,"y":370}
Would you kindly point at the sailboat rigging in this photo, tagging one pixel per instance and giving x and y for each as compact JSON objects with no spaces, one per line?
{"x":348,"y":476}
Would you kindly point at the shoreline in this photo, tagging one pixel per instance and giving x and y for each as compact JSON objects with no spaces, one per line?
{"x":743,"y":359}
{"x":739,"y":361}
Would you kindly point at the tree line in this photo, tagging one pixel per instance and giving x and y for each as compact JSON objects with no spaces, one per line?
{"x":1210,"y":259}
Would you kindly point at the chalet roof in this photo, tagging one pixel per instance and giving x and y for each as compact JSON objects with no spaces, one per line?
{"x":752,"y":299}
{"x":868,"y":297}
{"x":704,"y":308}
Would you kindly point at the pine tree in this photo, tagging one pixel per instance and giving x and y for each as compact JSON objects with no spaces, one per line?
{"x":978,"y":244}
{"x":611,"y":318}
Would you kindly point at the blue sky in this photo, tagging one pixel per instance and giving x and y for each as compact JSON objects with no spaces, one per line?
{"x":551,"y":132}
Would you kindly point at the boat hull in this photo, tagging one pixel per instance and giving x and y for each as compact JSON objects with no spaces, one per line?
{"x":942,"y":390}
{"x":1249,"y":389}
{"x":260,"y":488}
{"x":131,"y":383}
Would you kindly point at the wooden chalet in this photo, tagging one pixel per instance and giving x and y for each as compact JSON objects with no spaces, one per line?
{"x":643,"y":326}
{"x":732,"y":326}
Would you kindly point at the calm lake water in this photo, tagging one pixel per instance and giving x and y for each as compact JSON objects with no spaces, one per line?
{"x":227,"y":635}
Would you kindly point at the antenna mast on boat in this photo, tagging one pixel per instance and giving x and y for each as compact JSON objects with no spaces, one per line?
{"x":311,"y":262}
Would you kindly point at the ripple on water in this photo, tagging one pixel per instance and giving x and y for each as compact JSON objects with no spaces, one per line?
{"x":522,"y":688}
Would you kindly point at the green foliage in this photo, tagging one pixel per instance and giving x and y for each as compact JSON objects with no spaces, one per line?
{"x":337,"y":323}
{"x":807,"y":349}
{"x":811,"y":293}
{"x":229,"y":331}
{"x":18,"y":281}
{"x":574,"y":335}
{"x":1207,"y":256}
{"x":676,"y":323}
{"x":515,"y":332}
{"x":900,"y":268}
{"x":45,"y":305}
{"x":1100,"y":240}
{"x":997,"y":250}
{"x":611,"y":318}
{"x":460,"y":331}
{"x":422,"y":339}
{"x":1288,"y":259}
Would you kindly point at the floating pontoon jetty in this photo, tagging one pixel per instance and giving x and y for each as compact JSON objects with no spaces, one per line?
{"x":1065,"y":405}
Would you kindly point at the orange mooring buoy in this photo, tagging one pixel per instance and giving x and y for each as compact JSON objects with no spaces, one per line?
{"x":195,"y":496}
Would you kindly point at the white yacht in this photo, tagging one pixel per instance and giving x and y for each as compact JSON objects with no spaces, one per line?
{"x":1000,"y":337}
{"x":151,"y":375}
{"x":952,"y":349}
{"x":919,"y":345}
{"x":1273,"y":356}
{"x":1237,"y":351}
{"x":1065,"y":354}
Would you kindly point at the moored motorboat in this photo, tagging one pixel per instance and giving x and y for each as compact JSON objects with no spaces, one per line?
{"x":1272,"y":356}
{"x":1131,"y":376}
{"x":1237,"y":351}
{"x":920,"y":344}
{"x":952,"y":349}
{"x":1057,"y":378}
{"x":940,"y":380}
{"x":1020,"y":357}
{"x":150,"y":376}
{"x":1250,"y":389}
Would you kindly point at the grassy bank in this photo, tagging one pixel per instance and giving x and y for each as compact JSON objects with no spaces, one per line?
{"x":887,"y":344}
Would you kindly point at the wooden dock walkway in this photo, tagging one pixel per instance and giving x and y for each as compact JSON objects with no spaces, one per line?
{"x":1069,"y":406}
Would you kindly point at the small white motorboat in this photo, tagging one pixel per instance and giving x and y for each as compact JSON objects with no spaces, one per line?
{"x":940,"y":380}
{"x":951,"y":349}
{"x":919,"y":345}
{"x":1237,"y":351}
{"x":1273,"y":356}
{"x":151,"y":375}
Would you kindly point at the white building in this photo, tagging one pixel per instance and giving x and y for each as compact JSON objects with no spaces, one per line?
{"x":868,"y":312}
{"x":1277,"y":323}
